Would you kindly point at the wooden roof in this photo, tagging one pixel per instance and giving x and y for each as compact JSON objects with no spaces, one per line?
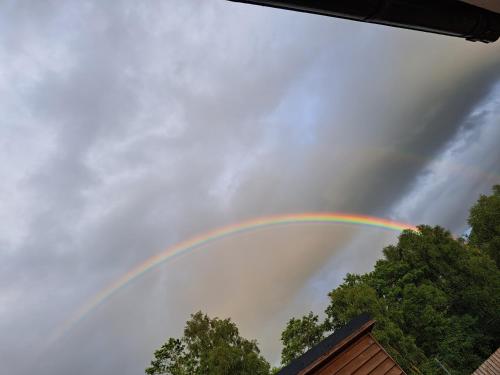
{"x":491,"y":366}
{"x":350,"y":350}
{"x":493,"y":5}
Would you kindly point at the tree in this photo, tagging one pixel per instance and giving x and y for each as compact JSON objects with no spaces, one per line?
{"x":440,"y":290}
{"x":484,"y":219}
{"x":356,"y":296}
{"x":436,"y":301}
{"x":209,"y":347}
{"x":433,"y":297}
{"x":299,"y":336}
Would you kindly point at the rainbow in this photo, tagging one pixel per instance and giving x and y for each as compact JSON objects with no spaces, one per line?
{"x":189,"y":245}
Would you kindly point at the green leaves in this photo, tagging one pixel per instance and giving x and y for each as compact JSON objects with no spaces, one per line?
{"x":169,"y":359}
{"x":433,"y":285}
{"x":299,"y":336}
{"x":433,"y":296}
{"x":436,"y":301}
{"x":484,"y":219}
{"x":209,"y":347}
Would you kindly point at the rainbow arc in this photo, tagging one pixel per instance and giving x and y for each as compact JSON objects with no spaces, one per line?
{"x":185,"y":247}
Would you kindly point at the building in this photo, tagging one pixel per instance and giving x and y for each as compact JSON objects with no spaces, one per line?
{"x":350,"y":350}
{"x":490,"y":366}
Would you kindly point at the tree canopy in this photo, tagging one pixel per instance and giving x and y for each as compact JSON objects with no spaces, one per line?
{"x":485,"y":222}
{"x":209,"y":347}
{"x":434,"y":297}
{"x":300,"y":335}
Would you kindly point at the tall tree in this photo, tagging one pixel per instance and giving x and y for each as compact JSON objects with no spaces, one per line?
{"x":209,"y":347}
{"x":485,"y":222}
{"x":300,"y":335}
{"x":435,"y":298}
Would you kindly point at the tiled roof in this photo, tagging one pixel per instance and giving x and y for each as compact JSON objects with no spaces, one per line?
{"x":491,"y":366}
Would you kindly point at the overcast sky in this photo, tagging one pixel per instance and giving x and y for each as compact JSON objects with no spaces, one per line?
{"x":128,"y":126}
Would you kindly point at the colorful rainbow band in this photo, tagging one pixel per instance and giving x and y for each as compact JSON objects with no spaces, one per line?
{"x":185,"y":247}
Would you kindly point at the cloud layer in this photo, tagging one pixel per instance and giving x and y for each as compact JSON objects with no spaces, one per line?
{"x":130,"y":126}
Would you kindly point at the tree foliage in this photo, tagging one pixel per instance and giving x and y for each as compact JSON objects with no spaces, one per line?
{"x":299,"y":336}
{"x":209,"y":347}
{"x":485,"y":222}
{"x":433,"y":297}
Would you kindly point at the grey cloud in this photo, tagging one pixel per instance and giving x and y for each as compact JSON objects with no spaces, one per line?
{"x":467,"y":167}
{"x":139,"y":125}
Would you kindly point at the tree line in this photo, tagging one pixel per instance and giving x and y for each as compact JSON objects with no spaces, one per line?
{"x":435,"y":299}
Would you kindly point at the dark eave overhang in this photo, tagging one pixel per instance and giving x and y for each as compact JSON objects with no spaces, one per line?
{"x":448,"y":17}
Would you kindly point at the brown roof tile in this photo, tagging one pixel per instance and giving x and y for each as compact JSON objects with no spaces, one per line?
{"x":491,"y":366}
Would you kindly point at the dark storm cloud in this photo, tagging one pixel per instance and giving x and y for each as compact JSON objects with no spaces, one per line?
{"x":129,"y":127}
{"x":379,"y":120}
{"x":467,"y":167}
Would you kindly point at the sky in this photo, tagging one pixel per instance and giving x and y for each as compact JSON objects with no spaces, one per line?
{"x":129,"y":126}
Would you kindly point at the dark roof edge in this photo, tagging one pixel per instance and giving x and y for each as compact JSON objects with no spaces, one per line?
{"x":446,"y":17}
{"x":353,"y":328}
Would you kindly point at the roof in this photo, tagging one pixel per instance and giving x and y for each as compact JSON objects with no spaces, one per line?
{"x":490,"y":366}
{"x":448,"y":17}
{"x":493,"y":5}
{"x":356,"y":327}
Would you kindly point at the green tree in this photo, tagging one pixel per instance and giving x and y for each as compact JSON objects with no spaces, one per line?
{"x":356,"y":296}
{"x":485,"y":222}
{"x":299,"y":336}
{"x":209,"y":347}
{"x":438,"y":289}
{"x":433,"y":297}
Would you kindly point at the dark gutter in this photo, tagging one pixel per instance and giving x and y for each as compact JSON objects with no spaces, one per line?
{"x":448,"y":17}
